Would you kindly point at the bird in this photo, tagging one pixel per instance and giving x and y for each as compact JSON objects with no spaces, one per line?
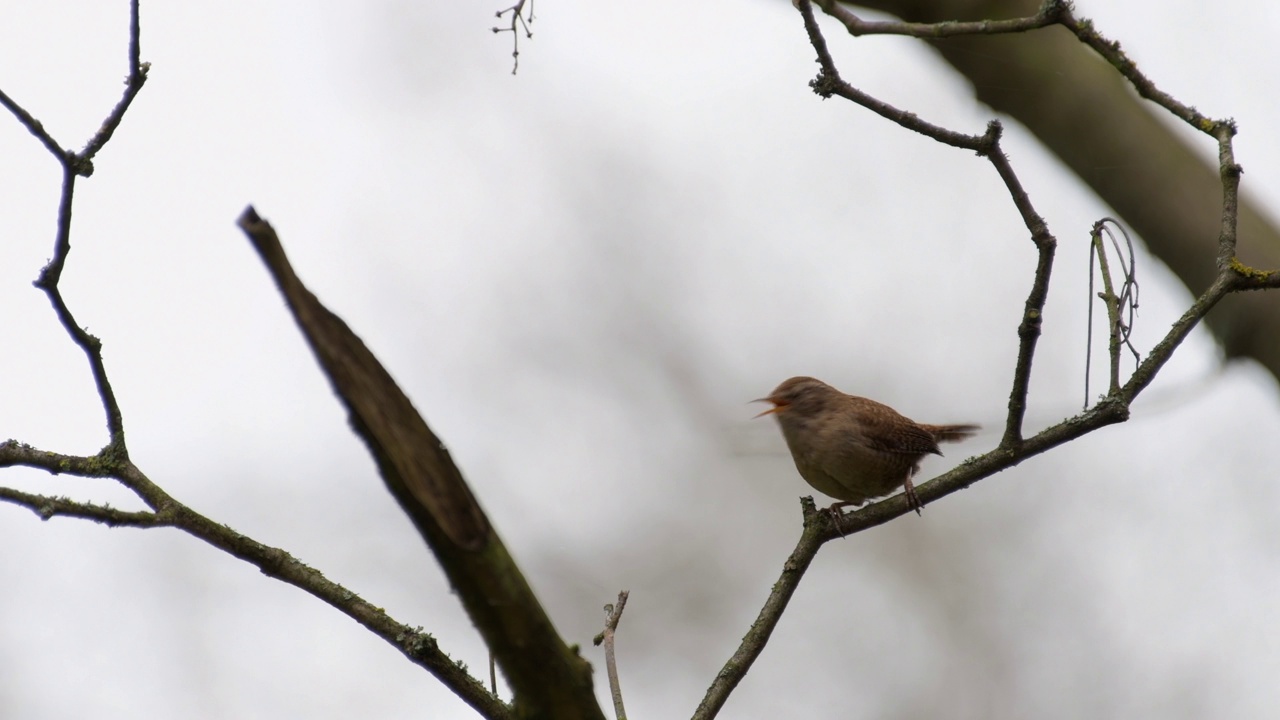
{"x":852,"y":448}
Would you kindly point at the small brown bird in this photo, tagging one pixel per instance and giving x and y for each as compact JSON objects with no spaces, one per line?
{"x":852,"y":448}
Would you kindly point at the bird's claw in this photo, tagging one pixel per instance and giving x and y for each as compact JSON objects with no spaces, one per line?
{"x":913,"y":500}
{"x":836,"y":511}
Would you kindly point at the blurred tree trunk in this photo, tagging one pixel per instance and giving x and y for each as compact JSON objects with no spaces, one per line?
{"x":1093,"y":120}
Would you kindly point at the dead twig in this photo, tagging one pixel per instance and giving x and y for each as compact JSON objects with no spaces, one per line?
{"x":613,"y":613}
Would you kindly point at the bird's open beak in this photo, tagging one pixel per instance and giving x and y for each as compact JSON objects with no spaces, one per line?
{"x":777,"y":407}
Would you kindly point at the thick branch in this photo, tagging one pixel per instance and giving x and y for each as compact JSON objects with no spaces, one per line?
{"x":549,"y":680}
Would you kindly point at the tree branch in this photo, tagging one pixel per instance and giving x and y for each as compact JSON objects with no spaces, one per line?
{"x":133,"y":84}
{"x":812,"y":538}
{"x":548,"y":679}
{"x":613,"y":613}
{"x":419,"y":647}
{"x":48,"y":507}
{"x":1049,"y":13}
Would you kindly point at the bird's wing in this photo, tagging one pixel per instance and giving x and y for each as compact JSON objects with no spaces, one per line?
{"x":904,"y":439}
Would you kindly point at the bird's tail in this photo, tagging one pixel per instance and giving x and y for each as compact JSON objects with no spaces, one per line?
{"x":952,"y":433}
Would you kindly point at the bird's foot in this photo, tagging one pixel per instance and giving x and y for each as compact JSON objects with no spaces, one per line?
{"x":836,"y":511}
{"x":913,"y":500}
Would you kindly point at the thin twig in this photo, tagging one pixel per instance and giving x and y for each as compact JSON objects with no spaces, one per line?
{"x":34,"y":126}
{"x":828,"y":83}
{"x":81,"y":164}
{"x":517,"y":20}
{"x":1111,"y":52}
{"x":1048,"y":15}
{"x":1094,"y":249}
{"x":613,"y":613}
{"x":493,"y":675}
{"x":1129,"y":288}
{"x":1119,"y":305}
{"x":90,"y":345}
{"x":815,"y":526}
{"x":1033,"y":308}
{"x":1112,"y":302}
{"x":1229,"y":172}
{"x":133,"y":84}
{"x":48,"y":507}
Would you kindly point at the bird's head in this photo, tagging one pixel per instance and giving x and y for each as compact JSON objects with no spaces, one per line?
{"x":799,"y":395}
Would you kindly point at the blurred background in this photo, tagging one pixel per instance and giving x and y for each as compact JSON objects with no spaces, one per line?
{"x":581,"y":275}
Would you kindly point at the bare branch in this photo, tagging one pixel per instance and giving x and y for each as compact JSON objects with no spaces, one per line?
{"x":419,"y":647}
{"x":1119,"y":306}
{"x":34,"y":126}
{"x":414,"y":461}
{"x":517,"y":21}
{"x":81,"y":164}
{"x":48,"y":507}
{"x":613,"y":613}
{"x":1229,"y":172}
{"x":1111,"y":52}
{"x":1033,"y":308}
{"x":416,"y":645}
{"x":133,"y":84}
{"x":547,"y":678}
{"x":818,"y":528}
{"x":493,"y":676}
{"x":90,"y":345}
{"x":1050,"y":12}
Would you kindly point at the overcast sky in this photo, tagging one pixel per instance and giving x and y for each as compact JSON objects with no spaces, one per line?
{"x":581,"y":274}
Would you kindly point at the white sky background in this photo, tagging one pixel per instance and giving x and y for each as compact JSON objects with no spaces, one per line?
{"x":581,"y":274}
